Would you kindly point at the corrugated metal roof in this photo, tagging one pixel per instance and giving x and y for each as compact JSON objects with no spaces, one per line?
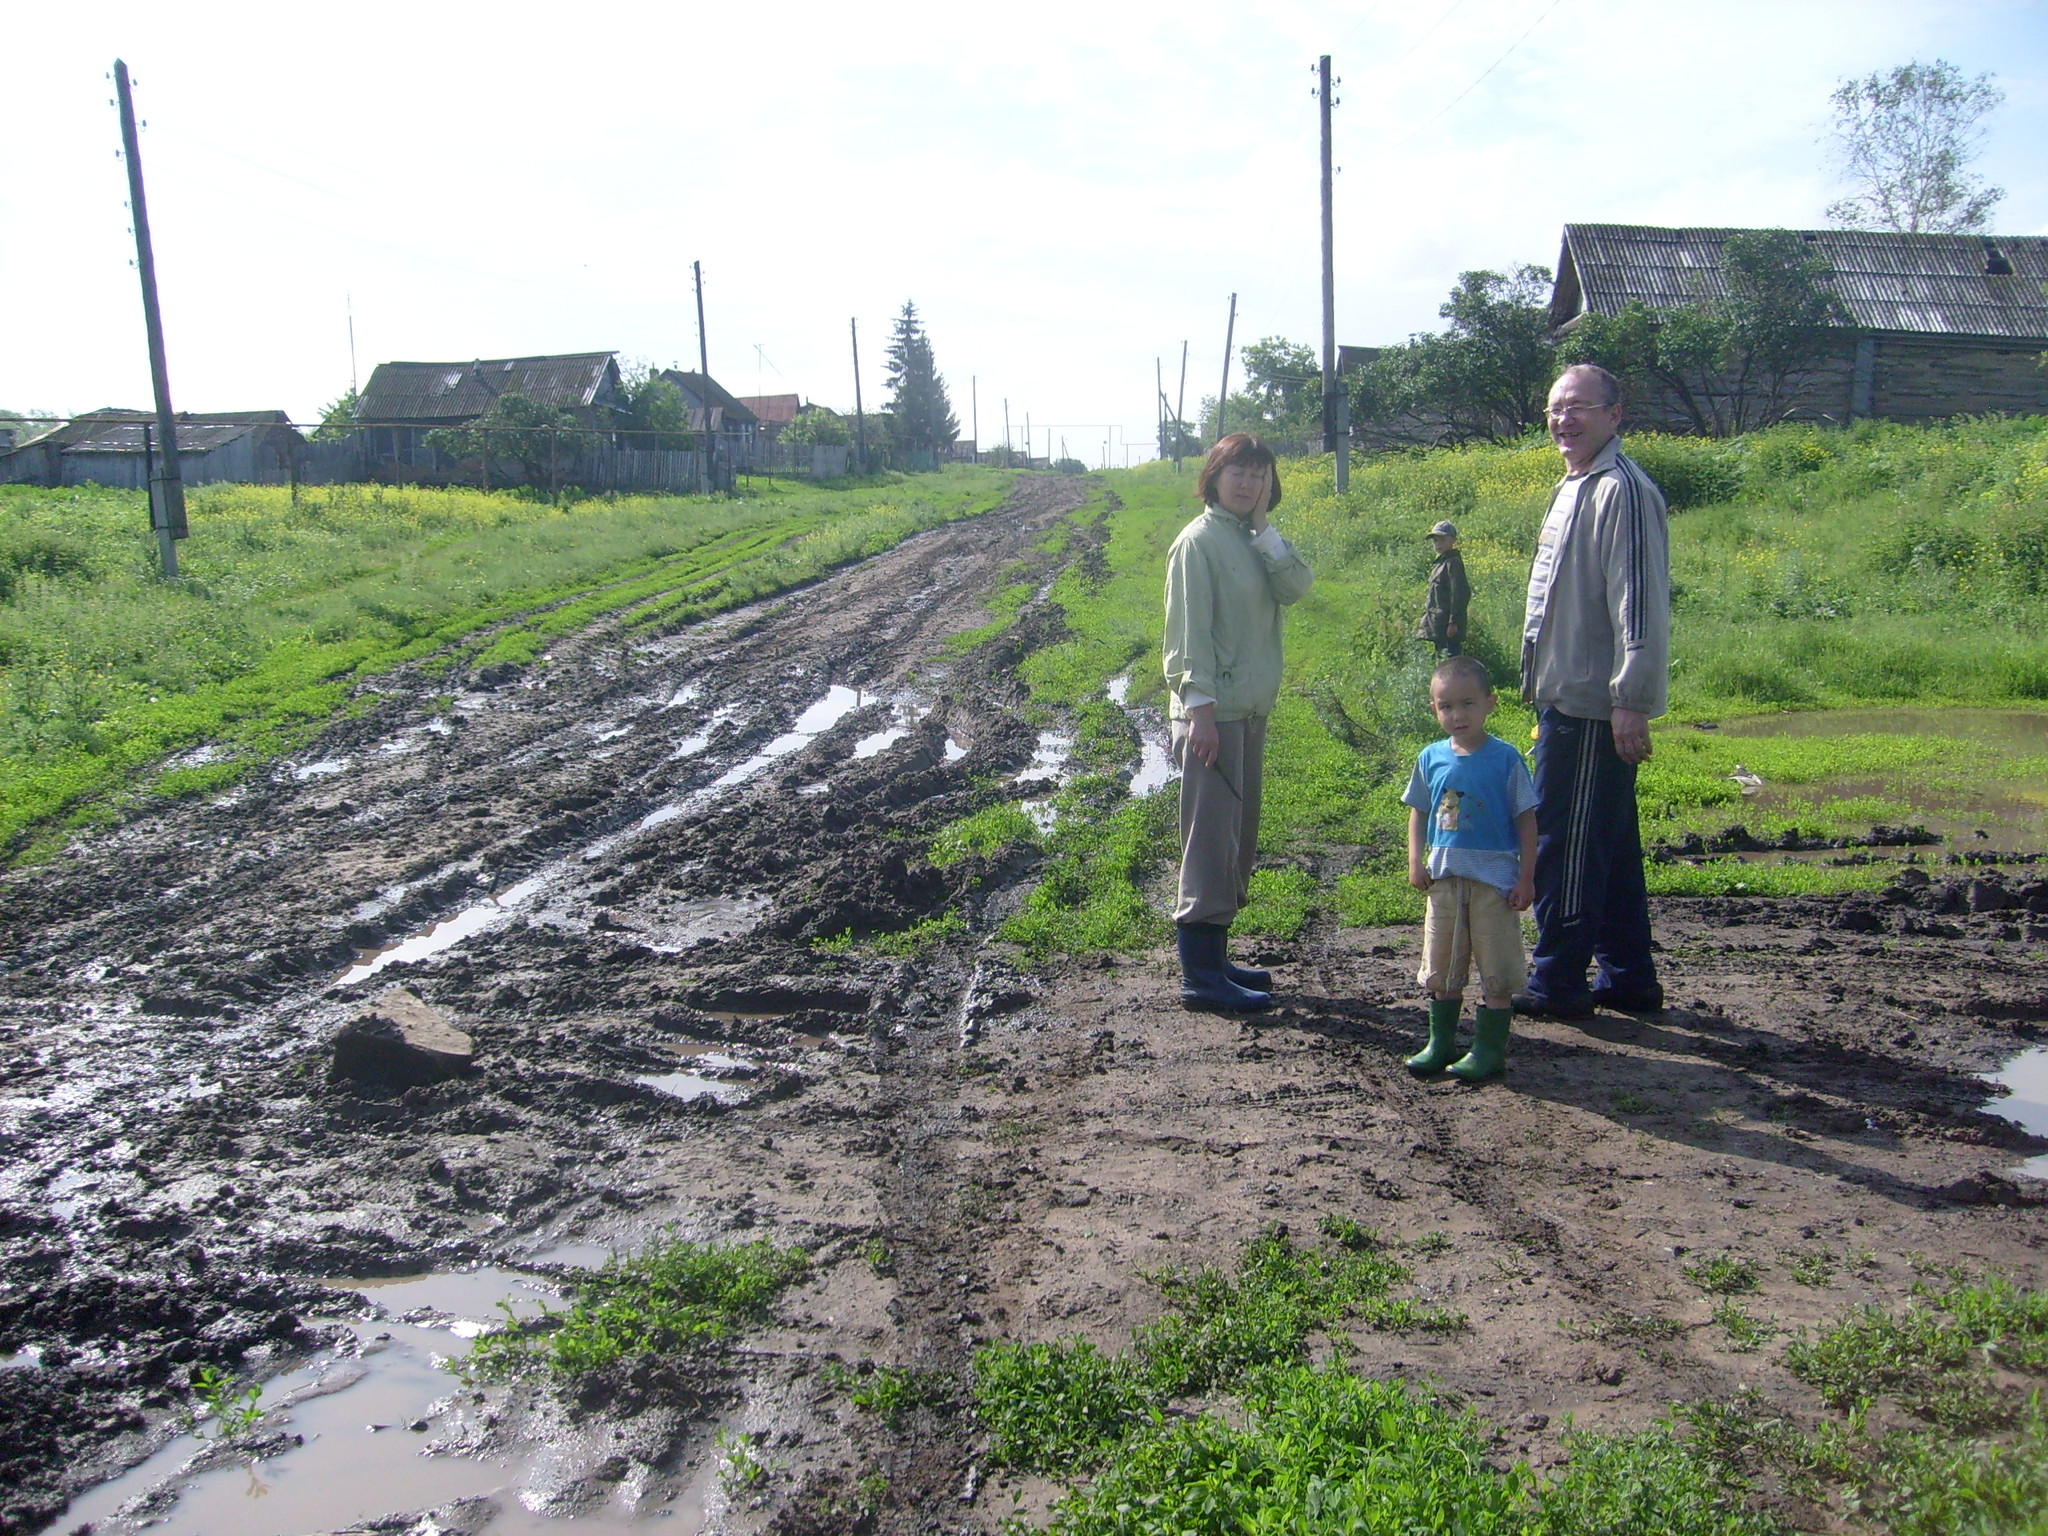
{"x":198,"y":431}
{"x":1953,"y":285}
{"x":773,"y":410}
{"x":701,"y":390}
{"x":455,"y":392}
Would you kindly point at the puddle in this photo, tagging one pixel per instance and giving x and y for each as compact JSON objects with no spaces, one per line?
{"x":609,"y":732}
{"x":813,"y":789}
{"x":1155,"y":770}
{"x":2027,"y":1076}
{"x":880,"y":742}
{"x":445,"y":934}
{"x":1047,"y":759}
{"x":821,"y":715}
{"x":360,"y":1458}
{"x":2004,"y":815}
{"x":689,"y":693}
{"x":1119,"y":690}
{"x":954,"y":751}
{"x":321,"y":769}
{"x":693,"y":1085}
{"x":1041,"y":812}
{"x":23,"y":1360}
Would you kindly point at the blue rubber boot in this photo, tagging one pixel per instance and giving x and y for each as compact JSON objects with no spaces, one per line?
{"x":1245,"y":976}
{"x":1203,"y":983}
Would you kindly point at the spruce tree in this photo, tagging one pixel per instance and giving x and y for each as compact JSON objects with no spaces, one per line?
{"x":922,"y":415}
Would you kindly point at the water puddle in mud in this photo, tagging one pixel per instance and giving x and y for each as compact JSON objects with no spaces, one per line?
{"x":879,"y":742}
{"x":1048,"y":758}
{"x":2004,"y":814}
{"x":2026,"y":1075}
{"x":818,"y":718}
{"x":326,"y":766}
{"x":1155,"y":764}
{"x":954,"y":751}
{"x":450,"y":931}
{"x":366,"y":1422}
{"x":693,"y":1085}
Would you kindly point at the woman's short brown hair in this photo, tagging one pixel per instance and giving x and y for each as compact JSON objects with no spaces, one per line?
{"x":1238,"y":448}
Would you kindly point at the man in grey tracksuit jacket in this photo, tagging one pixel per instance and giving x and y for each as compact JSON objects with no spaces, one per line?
{"x":1596,"y":655}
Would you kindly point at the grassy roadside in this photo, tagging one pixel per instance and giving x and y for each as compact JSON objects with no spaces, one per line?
{"x":284,"y":608}
{"x":1883,"y":567}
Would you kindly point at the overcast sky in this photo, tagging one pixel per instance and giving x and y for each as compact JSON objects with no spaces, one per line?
{"x":1067,"y":191}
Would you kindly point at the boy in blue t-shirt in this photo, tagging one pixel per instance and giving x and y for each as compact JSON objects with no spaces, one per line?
{"x":1472,"y":847}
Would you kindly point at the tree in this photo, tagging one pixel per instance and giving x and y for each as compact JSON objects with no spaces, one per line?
{"x":337,"y":417}
{"x":923,"y":416}
{"x":657,"y":417}
{"x":1905,"y":137}
{"x":1484,"y":377}
{"x":1283,"y":394}
{"x":1733,"y":361}
{"x":819,"y":425}
{"x":515,"y":428}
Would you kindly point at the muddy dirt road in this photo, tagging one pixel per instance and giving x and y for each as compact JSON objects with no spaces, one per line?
{"x":613,"y":871}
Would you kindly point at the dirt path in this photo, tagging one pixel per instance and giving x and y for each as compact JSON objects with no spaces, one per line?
{"x":640,"y":844}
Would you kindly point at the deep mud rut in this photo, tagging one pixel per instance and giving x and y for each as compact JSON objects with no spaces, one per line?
{"x":969,"y":1147}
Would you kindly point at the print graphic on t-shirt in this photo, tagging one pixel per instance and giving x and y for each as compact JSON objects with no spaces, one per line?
{"x":1447,"y":811}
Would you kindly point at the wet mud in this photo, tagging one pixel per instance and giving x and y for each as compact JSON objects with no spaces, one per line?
{"x":623,"y":874}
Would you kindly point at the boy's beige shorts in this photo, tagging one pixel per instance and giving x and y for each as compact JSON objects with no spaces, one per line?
{"x":1470,"y":922}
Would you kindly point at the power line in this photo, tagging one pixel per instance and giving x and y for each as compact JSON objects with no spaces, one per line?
{"x":1496,"y":64}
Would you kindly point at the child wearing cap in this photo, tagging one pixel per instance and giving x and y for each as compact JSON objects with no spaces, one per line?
{"x":1472,"y":848}
{"x":1443,"y":613}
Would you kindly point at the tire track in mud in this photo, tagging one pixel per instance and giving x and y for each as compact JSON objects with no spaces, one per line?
{"x":196,"y":948}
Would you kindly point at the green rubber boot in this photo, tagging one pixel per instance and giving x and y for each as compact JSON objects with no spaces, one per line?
{"x":1442,"y":1049}
{"x":1489,"y":1053}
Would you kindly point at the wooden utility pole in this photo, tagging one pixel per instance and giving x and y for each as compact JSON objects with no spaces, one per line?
{"x":1180,"y":406}
{"x":166,"y":482}
{"x":1009,"y":447}
{"x":709,"y":473}
{"x":1223,"y":397}
{"x":1159,"y":410}
{"x":860,"y":419}
{"x":1336,"y":431}
{"x":1030,"y":441}
{"x":974,"y":411}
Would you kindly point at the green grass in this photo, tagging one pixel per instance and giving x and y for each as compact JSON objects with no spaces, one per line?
{"x":1049,"y":1406}
{"x":673,"y":1296}
{"x":1723,"y":1274}
{"x":1745,"y":1334}
{"x":1976,"y":1464}
{"x":284,"y":607}
{"x":1881,"y":565}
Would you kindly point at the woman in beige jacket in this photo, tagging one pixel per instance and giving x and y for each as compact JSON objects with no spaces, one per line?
{"x":1228,"y":575}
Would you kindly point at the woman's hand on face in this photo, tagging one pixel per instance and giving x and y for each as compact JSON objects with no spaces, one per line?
{"x":1203,"y":739}
{"x":1244,"y":491}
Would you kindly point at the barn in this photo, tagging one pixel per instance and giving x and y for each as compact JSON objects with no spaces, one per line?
{"x":116,"y":447}
{"x":1936,"y":325}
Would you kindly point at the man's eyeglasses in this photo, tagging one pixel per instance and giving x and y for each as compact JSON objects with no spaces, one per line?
{"x":1557,"y":412}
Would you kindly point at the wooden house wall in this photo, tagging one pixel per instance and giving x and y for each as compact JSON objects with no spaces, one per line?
{"x":1919,"y":378}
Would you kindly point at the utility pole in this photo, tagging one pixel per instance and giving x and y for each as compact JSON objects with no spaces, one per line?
{"x":1180,"y":406}
{"x":1336,"y":431}
{"x":1009,"y":446}
{"x":166,"y":483}
{"x":1031,"y":441}
{"x":860,"y":419}
{"x":709,"y":460}
{"x":1159,"y":407}
{"x":350,"y":301}
{"x":1223,"y":398}
{"x":974,"y":411}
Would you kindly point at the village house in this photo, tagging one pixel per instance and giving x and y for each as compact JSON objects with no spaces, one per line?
{"x":773,"y":412}
{"x":118,"y":447}
{"x":716,"y":411}
{"x":1936,"y":325}
{"x":403,"y":402}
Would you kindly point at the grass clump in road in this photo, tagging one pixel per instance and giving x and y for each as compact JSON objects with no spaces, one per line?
{"x":674,"y":1296}
{"x":1967,"y":1362}
{"x":285,"y":605}
{"x":1723,"y":1274}
{"x":1049,"y":1406}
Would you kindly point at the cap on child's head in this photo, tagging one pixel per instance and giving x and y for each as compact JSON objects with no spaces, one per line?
{"x":1444,"y":530}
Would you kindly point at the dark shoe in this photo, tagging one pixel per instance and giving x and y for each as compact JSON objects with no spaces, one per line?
{"x":1651,"y":1001}
{"x":1553,"y":1007}
{"x":1203,"y":983}
{"x":1489,"y":1054}
{"x":1442,"y":1049}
